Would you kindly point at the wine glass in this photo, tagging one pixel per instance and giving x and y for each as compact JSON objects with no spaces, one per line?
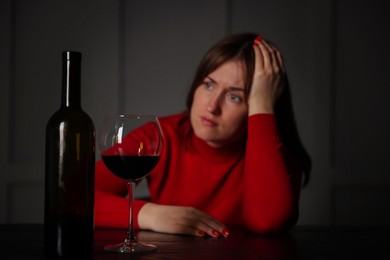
{"x":130,"y":146}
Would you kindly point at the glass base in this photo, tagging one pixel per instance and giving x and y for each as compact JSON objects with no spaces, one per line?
{"x":130,"y":247}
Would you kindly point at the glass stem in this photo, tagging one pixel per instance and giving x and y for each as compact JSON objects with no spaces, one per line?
{"x":130,"y":233}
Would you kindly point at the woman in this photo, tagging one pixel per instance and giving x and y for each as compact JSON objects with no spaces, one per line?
{"x":234,"y":157}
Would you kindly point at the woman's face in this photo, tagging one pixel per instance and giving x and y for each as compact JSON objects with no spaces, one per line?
{"x":219,"y":110}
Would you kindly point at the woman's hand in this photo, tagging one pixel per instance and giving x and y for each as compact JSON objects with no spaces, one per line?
{"x":179,"y":220}
{"x":268,"y":79}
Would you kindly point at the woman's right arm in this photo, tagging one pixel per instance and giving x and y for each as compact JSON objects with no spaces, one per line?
{"x":111,"y":210}
{"x":179,"y":220}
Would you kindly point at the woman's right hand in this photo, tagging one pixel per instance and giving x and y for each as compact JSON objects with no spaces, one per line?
{"x":179,"y":220}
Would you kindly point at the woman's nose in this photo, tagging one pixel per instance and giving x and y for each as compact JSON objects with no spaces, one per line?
{"x":214,"y":106}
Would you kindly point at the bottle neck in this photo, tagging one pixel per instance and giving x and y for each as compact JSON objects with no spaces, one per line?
{"x":71,"y":79}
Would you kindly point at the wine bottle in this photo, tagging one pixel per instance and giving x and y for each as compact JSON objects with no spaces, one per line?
{"x":69,"y":170}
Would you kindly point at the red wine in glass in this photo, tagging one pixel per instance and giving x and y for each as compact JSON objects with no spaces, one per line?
{"x":130,"y":147}
{"x":130,"y":167}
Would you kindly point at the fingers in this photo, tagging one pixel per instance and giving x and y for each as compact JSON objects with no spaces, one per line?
{"x":180,"y":220}
{"x":268,"y":77}
{"x":204,"y":224}
{"x":268,"y":57}
{"x":259,"y":59}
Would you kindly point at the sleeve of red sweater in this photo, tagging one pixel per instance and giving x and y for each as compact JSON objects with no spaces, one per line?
{"x":111,"y":205}
{"x":272,"y":179}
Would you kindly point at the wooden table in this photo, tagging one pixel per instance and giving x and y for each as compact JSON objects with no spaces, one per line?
{"x":303,"y":242}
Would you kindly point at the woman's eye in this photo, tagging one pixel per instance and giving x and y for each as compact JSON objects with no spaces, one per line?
{"x":235,"y":98}
{"x":208,"y":85}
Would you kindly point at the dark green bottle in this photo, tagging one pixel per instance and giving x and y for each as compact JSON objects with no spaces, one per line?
{"x":70,"y":170}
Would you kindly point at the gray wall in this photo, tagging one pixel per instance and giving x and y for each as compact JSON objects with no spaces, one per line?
{"x":140,"y":57}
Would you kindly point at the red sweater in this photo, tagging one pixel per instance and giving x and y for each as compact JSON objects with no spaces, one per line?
{"x":254,"y":183}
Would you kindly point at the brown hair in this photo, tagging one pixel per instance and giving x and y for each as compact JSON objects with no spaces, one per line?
{"x":239,"y":47}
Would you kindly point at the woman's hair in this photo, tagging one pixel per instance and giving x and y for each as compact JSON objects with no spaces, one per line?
{"x":239,"y":47}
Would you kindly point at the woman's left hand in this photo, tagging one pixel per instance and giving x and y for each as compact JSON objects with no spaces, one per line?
{"x":268,"y":78}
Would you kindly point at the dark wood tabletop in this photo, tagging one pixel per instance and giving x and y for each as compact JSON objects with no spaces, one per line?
{"x":303,"y":242}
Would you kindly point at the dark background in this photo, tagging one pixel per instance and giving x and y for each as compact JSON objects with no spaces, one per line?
{"x":140,"y":57}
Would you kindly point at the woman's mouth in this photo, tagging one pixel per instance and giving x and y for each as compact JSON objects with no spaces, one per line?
{"x":207,"y":122}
